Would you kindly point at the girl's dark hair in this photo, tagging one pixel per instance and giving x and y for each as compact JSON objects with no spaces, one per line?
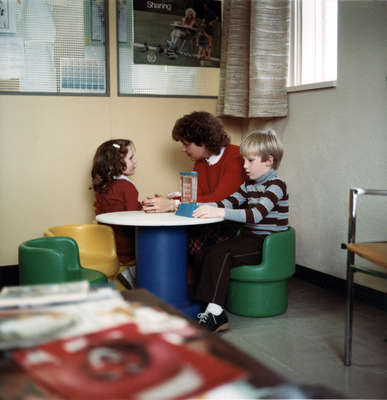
{"x":201,"y":128}
{"x":109,"y":162}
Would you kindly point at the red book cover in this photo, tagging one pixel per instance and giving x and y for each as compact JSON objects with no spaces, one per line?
{"x":122,"y":363}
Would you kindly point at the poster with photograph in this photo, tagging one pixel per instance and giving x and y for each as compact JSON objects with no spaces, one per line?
{"x":177,"y":32}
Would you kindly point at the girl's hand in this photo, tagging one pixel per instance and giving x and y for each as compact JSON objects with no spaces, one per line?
{"x":209,"y":212}
{"x":157,"y":204}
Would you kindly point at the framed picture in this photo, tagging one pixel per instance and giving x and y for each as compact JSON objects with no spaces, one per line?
{"x":185,"y":33}
{"x":7,"y":16}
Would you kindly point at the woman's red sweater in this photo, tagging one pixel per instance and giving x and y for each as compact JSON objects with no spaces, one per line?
{"x":218,"y":181}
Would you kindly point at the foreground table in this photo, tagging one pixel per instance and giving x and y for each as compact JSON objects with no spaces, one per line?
{"x":161,"y":253}
{"x":15,"y":383}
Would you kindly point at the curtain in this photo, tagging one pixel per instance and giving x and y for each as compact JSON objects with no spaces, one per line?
{"x":254,"y":61}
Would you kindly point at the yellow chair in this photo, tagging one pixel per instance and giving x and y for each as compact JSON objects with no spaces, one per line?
{"x":97,"y":246}
{"x":374,"y":252}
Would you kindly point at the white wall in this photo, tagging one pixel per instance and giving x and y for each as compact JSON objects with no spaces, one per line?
{"x":336,"y":139}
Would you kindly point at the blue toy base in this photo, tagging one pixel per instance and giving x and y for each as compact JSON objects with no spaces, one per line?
{"x":186,"y":209}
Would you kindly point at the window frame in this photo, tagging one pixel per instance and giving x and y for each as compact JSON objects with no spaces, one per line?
{"x":295,"y":53}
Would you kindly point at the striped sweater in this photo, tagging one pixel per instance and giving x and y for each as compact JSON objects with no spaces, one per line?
{"x":261,"y":204}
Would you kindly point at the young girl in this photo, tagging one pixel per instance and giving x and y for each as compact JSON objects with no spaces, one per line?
{"x":114,"y":162}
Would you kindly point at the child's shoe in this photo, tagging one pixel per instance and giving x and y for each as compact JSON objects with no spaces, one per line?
{"x":214,"y":323}
{"x":127,"y":277}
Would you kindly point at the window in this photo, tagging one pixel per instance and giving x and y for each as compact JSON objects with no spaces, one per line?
{"x":53,"y":46}
{"x":313,"y":44}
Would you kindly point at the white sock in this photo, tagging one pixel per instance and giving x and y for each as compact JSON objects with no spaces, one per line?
{"x":215,"y":309}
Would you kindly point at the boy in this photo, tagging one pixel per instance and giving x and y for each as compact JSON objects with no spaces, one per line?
{"x":261,"y":205}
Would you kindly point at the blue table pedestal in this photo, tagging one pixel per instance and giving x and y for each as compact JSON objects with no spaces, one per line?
{"x":161,"y":257}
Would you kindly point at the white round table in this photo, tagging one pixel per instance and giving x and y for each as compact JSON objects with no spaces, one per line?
{"x":161,"y":253}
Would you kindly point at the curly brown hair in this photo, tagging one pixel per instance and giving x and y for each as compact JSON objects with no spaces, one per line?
{"x":201,"y":128}
{"x":109,"y":162}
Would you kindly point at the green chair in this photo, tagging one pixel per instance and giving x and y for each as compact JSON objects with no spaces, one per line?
{"x":262,"y":290}
{"x":53,"y":260}
{"x":96,"y":245}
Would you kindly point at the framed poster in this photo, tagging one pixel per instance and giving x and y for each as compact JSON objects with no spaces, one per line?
{"x":183,"y":33}
{"x":7,"y":16}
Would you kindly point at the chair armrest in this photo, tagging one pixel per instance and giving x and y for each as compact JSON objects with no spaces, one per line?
{"x":261,"y":273}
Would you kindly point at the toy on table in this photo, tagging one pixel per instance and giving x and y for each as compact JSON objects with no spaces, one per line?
{"x":188,"y":188}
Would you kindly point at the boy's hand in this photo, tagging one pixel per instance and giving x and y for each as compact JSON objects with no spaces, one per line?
{"x":209,"y":212}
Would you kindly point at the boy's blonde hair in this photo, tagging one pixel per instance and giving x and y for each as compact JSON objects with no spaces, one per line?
{"x":264,"y":144}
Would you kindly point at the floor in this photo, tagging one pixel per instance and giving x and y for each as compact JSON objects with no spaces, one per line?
{"x":306,"y":344}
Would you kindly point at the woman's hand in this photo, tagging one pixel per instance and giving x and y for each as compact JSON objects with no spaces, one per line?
{"x":157,"y":204}
{"x":206,"y":211}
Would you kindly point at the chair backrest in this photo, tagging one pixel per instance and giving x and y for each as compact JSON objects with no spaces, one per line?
{"x":92,"y":238}
{"x":354,"y":194}
{"x":278,"y":251}
{"x":48,"y":260}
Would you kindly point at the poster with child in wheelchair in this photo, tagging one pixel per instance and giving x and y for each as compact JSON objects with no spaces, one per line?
{"x":177,"y":32}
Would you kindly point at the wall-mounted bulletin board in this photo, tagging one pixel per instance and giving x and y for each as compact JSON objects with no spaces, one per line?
{"x":54,"y":47}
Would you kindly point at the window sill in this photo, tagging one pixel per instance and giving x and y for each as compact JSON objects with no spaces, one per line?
{"x":312,"y":86}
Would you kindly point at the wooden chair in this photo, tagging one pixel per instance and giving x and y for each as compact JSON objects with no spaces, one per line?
{"x":374,"y":252}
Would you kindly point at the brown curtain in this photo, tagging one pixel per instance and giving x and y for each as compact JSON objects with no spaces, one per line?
{"x":254,"y":62}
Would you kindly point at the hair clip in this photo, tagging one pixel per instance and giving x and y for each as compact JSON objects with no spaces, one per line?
{"x":117,"y":146}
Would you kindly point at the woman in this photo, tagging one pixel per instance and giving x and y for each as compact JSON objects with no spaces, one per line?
{"x":220,"y":172}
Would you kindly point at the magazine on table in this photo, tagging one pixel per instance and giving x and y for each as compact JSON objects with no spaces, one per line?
{"x":103,"y":308}
{"x":122,"y":362}
{"x":31,"y":295}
